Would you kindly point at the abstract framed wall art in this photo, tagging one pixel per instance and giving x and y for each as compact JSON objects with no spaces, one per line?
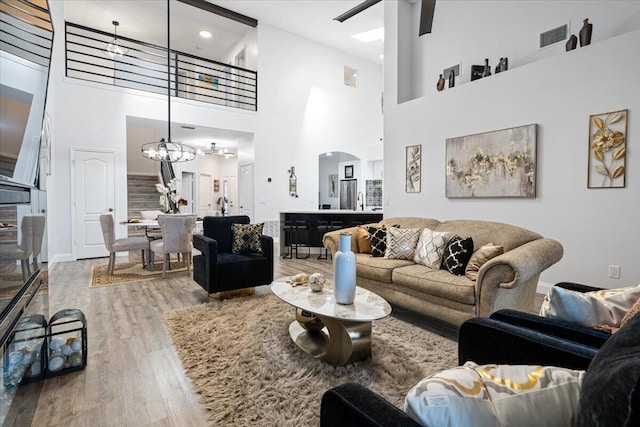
{"x":607,"y":150}
{"x":413,"y":159}
{"x":209,"y":80}
{"x":500,"y":163}
{"x":333,"y":185}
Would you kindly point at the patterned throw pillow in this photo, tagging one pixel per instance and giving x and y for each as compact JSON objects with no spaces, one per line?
{"x":246,"y":238}
{"x":401,"y":243}
{"x":457,"y":255}
{"x":491,"y":395}
{"x":480,"y":258}
{"x":430,"y":248}
{"x":378,"y":236}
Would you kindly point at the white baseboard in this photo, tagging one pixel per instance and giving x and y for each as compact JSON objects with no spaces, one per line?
{"x":543,"y":287}
{"x":61,"y":258}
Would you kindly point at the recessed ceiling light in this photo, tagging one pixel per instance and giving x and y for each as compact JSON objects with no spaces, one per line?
{"x":205,"y":34}
{"x":370,"y":36}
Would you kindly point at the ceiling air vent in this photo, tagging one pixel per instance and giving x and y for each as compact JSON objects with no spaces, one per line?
{"x":553,"y":36}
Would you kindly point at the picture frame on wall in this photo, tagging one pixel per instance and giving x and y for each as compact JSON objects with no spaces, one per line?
{"x":333,"y":185}
{"x":500,"y":163}
{"x":607,"y":150}
{"x":348,"y":171}
{"x":413,"y":160}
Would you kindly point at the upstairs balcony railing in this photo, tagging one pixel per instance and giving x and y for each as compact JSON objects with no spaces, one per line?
{"x":26,"y":31}
{"x":143,"y":66}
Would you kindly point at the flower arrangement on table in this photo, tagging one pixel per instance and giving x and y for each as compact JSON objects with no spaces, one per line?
{"x":182,"y":201}
{"x":222,"y":203}
{"x":168,"y":196}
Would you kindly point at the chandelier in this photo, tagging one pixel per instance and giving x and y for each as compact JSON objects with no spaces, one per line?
{"x":114,"y":48}
{"x":222,"y":152}
{"x":168,"y":150}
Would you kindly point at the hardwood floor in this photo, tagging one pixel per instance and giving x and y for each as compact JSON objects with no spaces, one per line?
{"x":133,"y":375}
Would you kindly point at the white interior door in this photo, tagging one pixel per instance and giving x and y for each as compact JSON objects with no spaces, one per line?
{"x":94,"y":195}
{"x":245,"y":191}
{"x":205,"y":195}
{"x":231,"y":183}
{"x":187,"y":191}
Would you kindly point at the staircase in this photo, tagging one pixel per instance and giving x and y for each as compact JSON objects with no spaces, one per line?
{"x":141,"y":196}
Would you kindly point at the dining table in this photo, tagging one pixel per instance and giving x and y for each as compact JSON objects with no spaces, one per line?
{"x":151,"y":226}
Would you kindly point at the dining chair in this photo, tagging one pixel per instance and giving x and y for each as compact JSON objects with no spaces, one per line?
{"x":32,"y":231}
{"x":121,"y":245}
{"x":38,"y":235}
{"x":177,"y":233}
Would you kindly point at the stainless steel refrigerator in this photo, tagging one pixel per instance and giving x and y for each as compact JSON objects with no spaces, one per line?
{"x":349,"y":194}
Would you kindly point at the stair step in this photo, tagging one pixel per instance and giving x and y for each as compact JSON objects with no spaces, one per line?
{"x":142,"y":195}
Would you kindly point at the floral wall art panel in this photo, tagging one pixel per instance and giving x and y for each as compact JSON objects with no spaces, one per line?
{"x":501,"y":163}
{"x":607,"y":150}
{"x":414,"y":166}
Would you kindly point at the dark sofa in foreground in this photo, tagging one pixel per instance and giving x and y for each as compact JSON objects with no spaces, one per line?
{"x":610,"y":393}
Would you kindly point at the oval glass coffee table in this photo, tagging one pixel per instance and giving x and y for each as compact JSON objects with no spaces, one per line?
{"x":335,"y":333}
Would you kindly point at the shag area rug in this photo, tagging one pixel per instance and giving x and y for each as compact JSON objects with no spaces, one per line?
{"x":248,"y":372}
{"x":132,"y":272}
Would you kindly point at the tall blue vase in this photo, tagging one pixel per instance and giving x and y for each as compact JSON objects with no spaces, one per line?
{"x":344,"y":271}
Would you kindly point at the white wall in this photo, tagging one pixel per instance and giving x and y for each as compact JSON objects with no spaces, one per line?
{"x":305,"y":110}
{"x":136,"y":164}
{"x":250,"y":45}
{"x":597,"y":227}
{"x":467,"y":32}
{"x":327,"y":166}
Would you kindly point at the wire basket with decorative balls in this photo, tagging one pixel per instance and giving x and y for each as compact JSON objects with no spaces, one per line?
{"x":66,"y":342}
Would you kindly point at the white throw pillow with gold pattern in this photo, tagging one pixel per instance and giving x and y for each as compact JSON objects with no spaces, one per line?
{"x":401,"y":243}
{"x":430,"y":248}
{"x":605,"y":307}
{"x":496,"y":395}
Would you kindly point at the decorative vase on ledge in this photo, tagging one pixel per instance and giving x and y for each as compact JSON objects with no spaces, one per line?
{"x":585,"y":33}
{"x":344,"y":271}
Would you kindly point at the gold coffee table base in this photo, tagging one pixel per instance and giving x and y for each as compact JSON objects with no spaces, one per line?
{"x":339,"y":343}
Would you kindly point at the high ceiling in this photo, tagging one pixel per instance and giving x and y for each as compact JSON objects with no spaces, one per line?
{"x":313,"y":19}
{"x":146,"y":20}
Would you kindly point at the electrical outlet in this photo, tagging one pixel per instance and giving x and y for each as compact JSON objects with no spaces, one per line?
{"x":614,"y":271}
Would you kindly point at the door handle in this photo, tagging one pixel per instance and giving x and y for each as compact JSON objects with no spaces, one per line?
{"x":43,"y":210}
{"x":110,"y":209}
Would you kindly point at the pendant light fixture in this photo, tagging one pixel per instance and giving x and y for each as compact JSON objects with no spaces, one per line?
{"x":222,"y":152}
{"x":166,"y":149}
{"x":115,"y":48}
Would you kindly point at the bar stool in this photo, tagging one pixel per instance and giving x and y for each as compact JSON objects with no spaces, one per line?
{"x":300,"y":227}
{"x":292,"y":236}
{"x":326,"y":227}
{"x":288,"y":230}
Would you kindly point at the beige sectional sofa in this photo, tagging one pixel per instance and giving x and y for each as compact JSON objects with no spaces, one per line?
{"x":506,"y":281}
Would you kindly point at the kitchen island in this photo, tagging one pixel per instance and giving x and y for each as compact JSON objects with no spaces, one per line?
{"x":306,"y":228}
